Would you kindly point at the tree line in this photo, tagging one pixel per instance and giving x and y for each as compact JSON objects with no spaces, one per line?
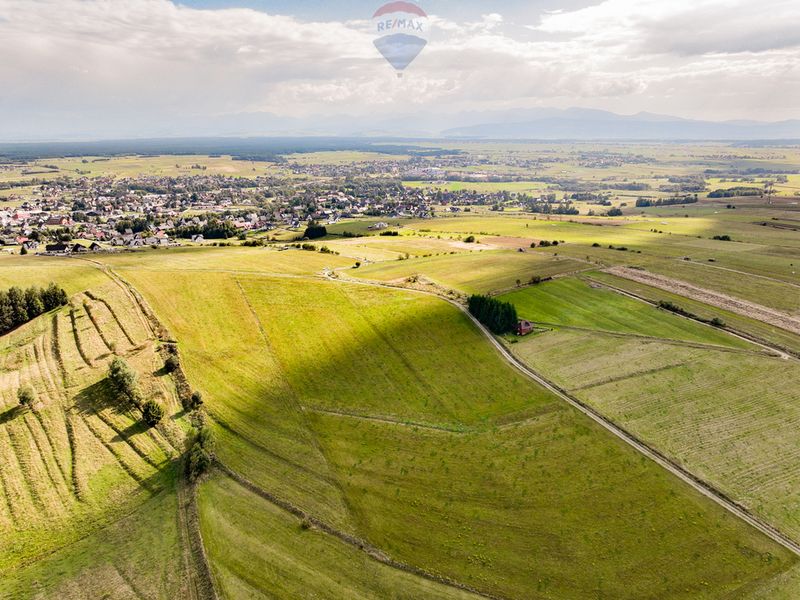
{"x":500,"y":317}
{"x":18,"y":306}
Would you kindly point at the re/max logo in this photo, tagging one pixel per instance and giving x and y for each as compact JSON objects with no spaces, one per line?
{"x":391,"y":24}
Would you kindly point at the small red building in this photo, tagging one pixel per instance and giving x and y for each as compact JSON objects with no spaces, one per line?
{"x":524,"y":327}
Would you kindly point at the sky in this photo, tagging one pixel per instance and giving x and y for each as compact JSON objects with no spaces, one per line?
{"x":136,"y":68}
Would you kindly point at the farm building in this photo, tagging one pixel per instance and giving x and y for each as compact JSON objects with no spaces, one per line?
{"x":524,"y":327}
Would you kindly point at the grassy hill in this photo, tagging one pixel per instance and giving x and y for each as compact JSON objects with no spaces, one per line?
{"x":385,"y":414}
{"x":78,"y":462}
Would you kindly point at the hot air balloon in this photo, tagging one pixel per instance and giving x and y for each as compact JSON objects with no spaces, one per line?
{"x":402,"y":33}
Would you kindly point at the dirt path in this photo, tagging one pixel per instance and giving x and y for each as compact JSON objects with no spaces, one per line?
{"x":769,"y":347}
{"x":723,"y":301}
{"x":386,"y":420}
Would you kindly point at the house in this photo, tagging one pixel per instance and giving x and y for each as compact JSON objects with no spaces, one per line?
{"x":59,"y":248}
{"x":95,"y":247}
{"x":524,"y":327}
{"x":76,"y":248}
{"x":198,"y":239}
{"x":30,"y":245}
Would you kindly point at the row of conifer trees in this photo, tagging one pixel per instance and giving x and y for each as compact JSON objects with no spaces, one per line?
{"x":18,"y":306}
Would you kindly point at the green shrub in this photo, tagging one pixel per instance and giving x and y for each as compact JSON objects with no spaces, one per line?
{"x":171,"y":364}
{"x":152,"y":413}
{"x":26,"y":397}
{"x":123,"y":379}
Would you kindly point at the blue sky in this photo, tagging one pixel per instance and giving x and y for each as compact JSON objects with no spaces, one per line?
{"x":357,"y":9}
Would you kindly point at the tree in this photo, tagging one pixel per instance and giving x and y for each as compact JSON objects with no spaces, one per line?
{"x":198,"y":462}
{"x":315,"y":230}
{"x":23,"y":251}
{"x":152,"y":413}
{"x":199,"y":459}
{"x":26,"y":397}
{"x":53,"y":297}
{"x":19,"y":311}
{"x":171,"y":364}
{"x":6,"y":316}
{"x":33,"y":302}
{"x":196,"y":401}
{"x":123,"y":379}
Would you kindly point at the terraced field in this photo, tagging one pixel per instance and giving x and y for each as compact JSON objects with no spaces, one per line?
{"x":79,"y":462}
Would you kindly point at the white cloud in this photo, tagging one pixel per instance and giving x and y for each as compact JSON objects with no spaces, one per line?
{"x":151,"y":63}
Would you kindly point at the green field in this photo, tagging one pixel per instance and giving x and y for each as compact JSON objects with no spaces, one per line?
{"x":370,"y":441}
{"x":476,"y":272}
{"x":385,"y":414}
{"x":573,"y":302}
{"x":730,"y":418}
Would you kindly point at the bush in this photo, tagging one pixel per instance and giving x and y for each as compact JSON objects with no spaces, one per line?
{"x":171,"y":364}
{"x":545,"y":244}
{"x":152,"y":413}
{"x":717,"y":322}
{"x":26,"y":397}
{"x":470,"y":239}
{"x":722,"y":238}
{"x":123,"y":379}
{"x":195,"y":401}
{"x":314,"y":231}
{"x":614,"y":212}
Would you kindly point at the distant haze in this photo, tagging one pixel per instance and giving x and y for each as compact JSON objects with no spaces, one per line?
{"x":99,"y":69}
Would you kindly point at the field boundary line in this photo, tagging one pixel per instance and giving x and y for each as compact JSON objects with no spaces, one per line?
{"x":373,"y":552}
{"x":652,"y":338}
{"x":388,"y":420}
{"x":777,"y":351}
{"x":705,"y":488}
{"x":742,"y":307}
{"x":201,"y":578}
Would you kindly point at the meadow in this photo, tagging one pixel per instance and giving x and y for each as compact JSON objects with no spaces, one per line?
{"x":479,"y":272}
{"x":78,"y":462}
{"x":384,"y":413}
{"x":365,"y":433}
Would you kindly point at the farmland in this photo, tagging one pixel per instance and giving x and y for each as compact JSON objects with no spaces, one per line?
{"x":362,"y":451}
{"x":367,"y":439}
{"x":76,"y":464}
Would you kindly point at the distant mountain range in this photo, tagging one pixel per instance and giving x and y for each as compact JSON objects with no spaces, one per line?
{"x":595,"y":124}
{"x":531,"y":124}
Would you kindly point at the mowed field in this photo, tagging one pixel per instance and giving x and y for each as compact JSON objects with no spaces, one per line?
{"x":78,"y":465}
{"x":476,"y":272}
{"x":728,"y":414}
{"x":385,"y":414}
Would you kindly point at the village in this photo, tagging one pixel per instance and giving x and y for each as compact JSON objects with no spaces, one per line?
{"x":91,"y":214}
